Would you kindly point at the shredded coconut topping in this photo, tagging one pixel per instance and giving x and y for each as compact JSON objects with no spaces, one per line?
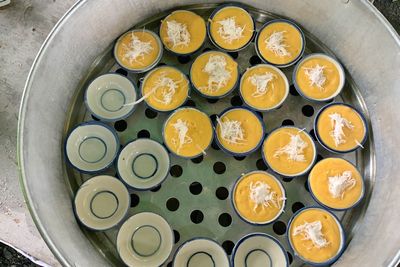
{"x":312,"y":231}
{"x":231,"y":131}
{"x":294,"y":149}
{"x":338,"y":122}
{"x":181,"y":127}
{"x":275,"y":43}
{"x":178,"y":33}
{"x":218,"y":74}
{"x":168,"y":87}
{"x":136,"y":49}
{"x":261,"y":81}
{"x":338,"y":184}
{"x":261,"y":194}
{"x":316,"y":76}
{"x":229,"y":31}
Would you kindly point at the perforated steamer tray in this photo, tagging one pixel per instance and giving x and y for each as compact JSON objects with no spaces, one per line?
{"x":196,"y":197}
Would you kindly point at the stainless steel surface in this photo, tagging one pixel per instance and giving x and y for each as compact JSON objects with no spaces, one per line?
{"x":70,"y":59}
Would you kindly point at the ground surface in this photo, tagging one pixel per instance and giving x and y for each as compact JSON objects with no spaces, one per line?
{"x":34,"y":21}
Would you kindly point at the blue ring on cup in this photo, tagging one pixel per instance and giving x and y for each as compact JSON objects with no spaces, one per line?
{"x":200,"y":252}
{"x":232,"y":193}
{"x":100,"y":117}
{"x":336,"y":209}
{"x":158,"y":246}
{"x":155,"y":169}
{"x":92,"y":123}
{"x":254,"y":250}
{"x":231,"y":153}
{"x":297,"y":174}
{"x":342,"y":238}
{"x":301,"y":35}
{"x":213,"y":96}
{"x":237,"y":5}
{"x":98,"y":193}
{"x":363,"y":119}
{"x":96,"y":138}
{"x":241,"y":240}
{"x":297,"y":87}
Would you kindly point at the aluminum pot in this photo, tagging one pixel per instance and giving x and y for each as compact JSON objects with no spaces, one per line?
{"x":353,"y":29}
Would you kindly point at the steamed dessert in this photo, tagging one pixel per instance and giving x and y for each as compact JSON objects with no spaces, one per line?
{"x":165,"y":88}
{"x":183,"y":32}
{"x":340,"y":128}
{"x":138,"y":50}
{"x":264,"y":87}
{"x":188,"y":132}
{"x":214,"y":74}
{"x":316,"y":236}
{"x":258,"y":197}
{"x":319,"y":77}
{"x":231,"y":28}
{"x":336,"y":183}
{"x":289,"y":151}
{"x":239,"y":131}
{"x":280,"y":42}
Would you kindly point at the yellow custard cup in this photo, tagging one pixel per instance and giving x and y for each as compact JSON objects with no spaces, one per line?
{"x":316,"y":236}
{"x":336,"y":184}
{"x":138,"y":50}
{"x":249,"y":194}
{"x":280,"y":42}
{"x":318,"y":77}
{"x":340,"y":128}
{"x":188,"y":132}
{"x":183,"y":32}
{"x":239,"y":131}
{"x":165,"y":88}
{"x":263,"y":87}
{"x":289,"y":151}
{"x":230,"y":28}
{"x":214,"y":74}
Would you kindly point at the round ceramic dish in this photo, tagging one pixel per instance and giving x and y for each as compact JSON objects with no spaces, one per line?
{"x":200,"y":252}
{"x":261,"y":127}
{"x":175,"y":96}
{"x":229,"y":20}
{"x":147,"y":38}
{"x":349,"y":111}
{"x":277,"y":184}
{"x":143,"y":164}
{"x":91,"y":147}
{"x":340,"y":229}
{"x":107,"y":95}
{"x":334,"y":170}
{"x":259,"y":88}
{"x":200,"y":130}
{"x":145,"y":240}
{"x":275,"y":168}
{"x":322,"y":96}
{"x":259,"y":249}
{"x":261,"y":34}
{"x":196,"y":78}
{"x":101,"y":202}
{"x":191,"y":24}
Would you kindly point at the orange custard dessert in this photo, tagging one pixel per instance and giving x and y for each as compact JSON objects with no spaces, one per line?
{"x":336,"y":183}
{"x":183,"y":32}
{"x":231,"y":28}
{"x":258,"y":197}
{"x":188,"y":132}
{"x":316,"y":236}
{"x":264,"y":87}
{"x":280,"y":42}
{"x":319,"y":77}
{"x":214,"y":74}
{"x":165,"y":88}
{"x":239,"y":131}
{"x":289,"y":151}
{"x":340,"y":128}
{"x":138,"y":50}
